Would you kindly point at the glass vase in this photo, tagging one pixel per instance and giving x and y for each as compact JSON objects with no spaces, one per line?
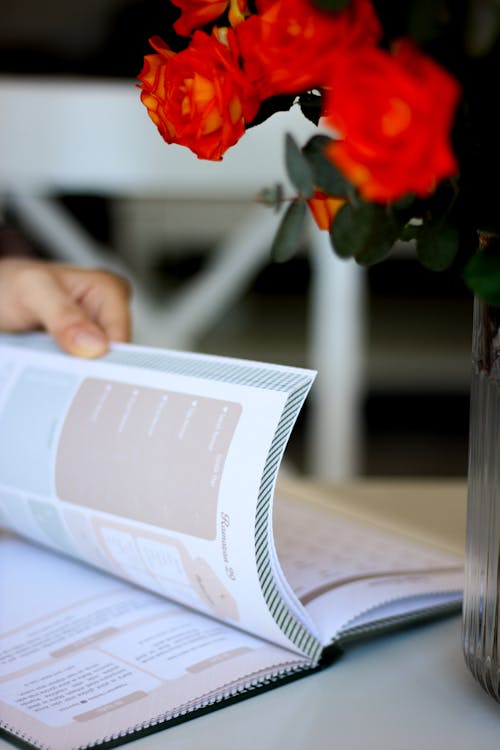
{"x":481,"y":611}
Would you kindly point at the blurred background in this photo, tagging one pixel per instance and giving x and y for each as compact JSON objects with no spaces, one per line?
{"x":392,"y":343}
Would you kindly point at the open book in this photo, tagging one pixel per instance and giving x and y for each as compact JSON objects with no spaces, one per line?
{"x":149,"y":568}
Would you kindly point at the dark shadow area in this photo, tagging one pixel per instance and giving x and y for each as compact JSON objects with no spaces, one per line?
{"x":108,"y":39}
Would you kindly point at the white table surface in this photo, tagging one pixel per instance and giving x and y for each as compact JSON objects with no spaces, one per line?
{"x":405,"y":690}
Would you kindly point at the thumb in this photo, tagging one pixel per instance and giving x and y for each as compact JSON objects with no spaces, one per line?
{"x":64,"y":319}
{"x":82,"y":338}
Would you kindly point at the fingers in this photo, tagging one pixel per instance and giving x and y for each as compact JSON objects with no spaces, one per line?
{"x":81,"y":339}
{"x":106,"y":300}
{"x":52,"y":307}
{"x":84,"y":310}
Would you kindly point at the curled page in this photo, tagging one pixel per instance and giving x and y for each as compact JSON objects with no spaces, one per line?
{"x":158,"y":467}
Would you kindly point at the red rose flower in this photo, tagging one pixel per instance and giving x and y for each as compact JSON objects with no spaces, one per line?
{"x":199,"y":97}
{"x":197,"y":13}
{"x":394,"y":114}
{"x":290,"y":45}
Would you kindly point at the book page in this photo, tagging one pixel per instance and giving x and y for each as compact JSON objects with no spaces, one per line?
{"x":341,"y":568}
{"x":150,"y":424}
{"x":148,"y":464}
{"x":85,"y":657}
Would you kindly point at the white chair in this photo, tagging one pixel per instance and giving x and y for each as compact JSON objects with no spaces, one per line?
{"x":62,"y":136}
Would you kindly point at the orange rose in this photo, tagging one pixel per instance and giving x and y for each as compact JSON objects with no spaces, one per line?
{"x":324,"y":208}
{"x":394,"y":114}
{"x":291,"y":45}
{"x":198,"y":13}
{"x":199,"y":97}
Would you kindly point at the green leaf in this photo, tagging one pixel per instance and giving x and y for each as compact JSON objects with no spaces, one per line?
{"x":437,"y":246}
{"x":366,"y":232}
{"x":289,"y":233}
{"x":410,"y":232}
{"x":279,"y":103}
{"x":483,"y":28}
{"x":425,"y":20}
{"x":310,"y":105}
{"x":325,"y":175}
{"x":404,"y":202}
{"x":482,"y":276}
{"x":331,"y":4}
{"x":298,"y":169}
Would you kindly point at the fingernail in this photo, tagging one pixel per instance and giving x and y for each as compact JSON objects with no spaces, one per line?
{"x":85,"y":343}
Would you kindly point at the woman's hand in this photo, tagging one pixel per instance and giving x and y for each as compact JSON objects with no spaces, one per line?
{"x":83,"y":309}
